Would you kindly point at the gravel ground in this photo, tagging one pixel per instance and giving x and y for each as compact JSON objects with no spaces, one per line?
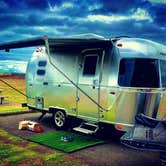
{"x":111,"y":153}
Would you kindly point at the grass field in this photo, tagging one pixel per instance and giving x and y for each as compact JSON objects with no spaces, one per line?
{"x":16,"y":151}
{"x":14,"y":99}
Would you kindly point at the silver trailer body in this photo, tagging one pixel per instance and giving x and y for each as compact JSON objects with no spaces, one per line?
{"x":98,"y":80}
{"x":110,"y":83}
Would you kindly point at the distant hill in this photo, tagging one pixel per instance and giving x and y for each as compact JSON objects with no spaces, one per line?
{"x":13,"y":76}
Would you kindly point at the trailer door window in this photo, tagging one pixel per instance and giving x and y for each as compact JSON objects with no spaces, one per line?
{"x":90,"y":64}
{"x":138,"y":73}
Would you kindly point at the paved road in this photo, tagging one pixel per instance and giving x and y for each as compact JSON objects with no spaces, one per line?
{"x":111,"y":153}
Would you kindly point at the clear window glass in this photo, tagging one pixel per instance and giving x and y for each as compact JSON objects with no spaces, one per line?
{"x":163,"y":72}
{"x":135,"y":72}
{"x":41,"y":72}
{"x":42,"y":63}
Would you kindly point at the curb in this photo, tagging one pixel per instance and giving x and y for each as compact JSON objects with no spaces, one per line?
{"x":17,"y":113}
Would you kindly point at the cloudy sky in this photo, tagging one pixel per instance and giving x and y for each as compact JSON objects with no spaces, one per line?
{"x":57,"y":18}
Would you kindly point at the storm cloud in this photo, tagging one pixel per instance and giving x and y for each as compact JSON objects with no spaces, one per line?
{"x":30,"y":18}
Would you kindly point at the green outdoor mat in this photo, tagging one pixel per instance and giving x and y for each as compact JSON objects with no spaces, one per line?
{"x":56,"y":140}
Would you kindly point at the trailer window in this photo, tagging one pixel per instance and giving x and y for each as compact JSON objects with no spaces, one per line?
{"x":138,"y":73}
{"x":90,"y":64}
{"x":163,"y":72}
{"x":42,"y":63}
{"x":40,"y":72}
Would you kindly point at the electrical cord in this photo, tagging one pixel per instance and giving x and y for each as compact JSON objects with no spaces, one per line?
{"x":6,"y":83}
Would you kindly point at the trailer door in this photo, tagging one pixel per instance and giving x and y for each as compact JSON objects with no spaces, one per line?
{"x":89,"y":78}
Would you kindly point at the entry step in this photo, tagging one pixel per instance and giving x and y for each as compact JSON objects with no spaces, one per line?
{"x":87,"y":128}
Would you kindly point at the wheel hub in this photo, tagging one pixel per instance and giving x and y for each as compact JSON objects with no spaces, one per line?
{"x":59,"y":119}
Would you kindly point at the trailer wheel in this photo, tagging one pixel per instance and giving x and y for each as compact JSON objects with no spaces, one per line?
{"x":60,"y":120}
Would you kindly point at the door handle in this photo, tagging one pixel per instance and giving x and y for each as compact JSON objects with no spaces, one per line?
{"x":77,"y":99}
{"x":95,"y":83}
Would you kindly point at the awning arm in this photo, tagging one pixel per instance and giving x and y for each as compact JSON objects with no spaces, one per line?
{"x":38,"y":41}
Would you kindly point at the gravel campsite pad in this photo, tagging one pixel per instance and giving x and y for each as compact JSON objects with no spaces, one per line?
{"x":111,"y":153}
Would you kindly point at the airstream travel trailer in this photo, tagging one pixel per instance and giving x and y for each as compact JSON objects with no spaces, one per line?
{"x":95,"y":79}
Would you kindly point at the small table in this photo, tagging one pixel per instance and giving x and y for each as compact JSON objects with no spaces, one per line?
{"x":2,"y":98}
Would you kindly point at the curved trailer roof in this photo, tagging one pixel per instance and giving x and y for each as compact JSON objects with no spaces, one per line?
{"x":142,"y":47}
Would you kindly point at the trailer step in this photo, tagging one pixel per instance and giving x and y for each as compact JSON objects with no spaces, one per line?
{"x":87,"y":128}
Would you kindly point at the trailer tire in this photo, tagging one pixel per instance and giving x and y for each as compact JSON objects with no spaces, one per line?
{"x":60,"y":120}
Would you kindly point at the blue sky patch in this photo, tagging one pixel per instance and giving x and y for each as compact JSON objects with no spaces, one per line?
{"x":58,"y":18}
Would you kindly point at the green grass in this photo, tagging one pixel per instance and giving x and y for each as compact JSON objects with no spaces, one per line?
{"x":11,"y":153}
{"x":54,"y":140}
{"x":9,"y":136}
{"x":8,"y":109}
{"x":14,"y":100}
